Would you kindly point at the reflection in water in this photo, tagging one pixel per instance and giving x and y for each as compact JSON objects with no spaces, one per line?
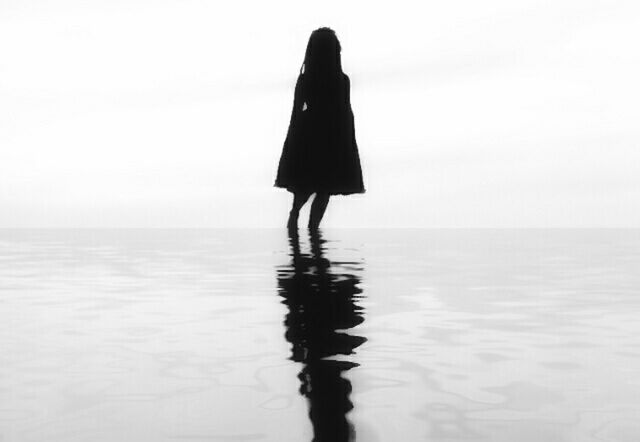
{"x":176,"y":335}
{"x":322,"y":303}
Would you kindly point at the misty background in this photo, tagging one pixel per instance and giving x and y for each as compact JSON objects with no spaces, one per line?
{"x":173,"y":113}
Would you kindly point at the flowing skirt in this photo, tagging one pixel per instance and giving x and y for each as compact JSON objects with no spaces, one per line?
{"x":320,"y":155}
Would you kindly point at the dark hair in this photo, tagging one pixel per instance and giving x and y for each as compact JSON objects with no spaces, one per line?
{"x":322,"y":57}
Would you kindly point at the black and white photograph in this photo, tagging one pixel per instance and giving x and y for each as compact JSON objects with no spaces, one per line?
{"x":336,"y":221}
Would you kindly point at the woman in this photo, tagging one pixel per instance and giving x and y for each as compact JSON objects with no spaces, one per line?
{"x":320,"y":154}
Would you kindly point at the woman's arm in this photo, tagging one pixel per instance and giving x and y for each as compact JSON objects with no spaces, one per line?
{"x":349,"y":109}
{"x":297,"y":99}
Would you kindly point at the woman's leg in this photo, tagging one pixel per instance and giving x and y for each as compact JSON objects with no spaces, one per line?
{"x":317,"y":209}
{"x":299,"y":198}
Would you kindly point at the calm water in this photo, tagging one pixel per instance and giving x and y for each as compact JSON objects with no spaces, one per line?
{"x":249,"y":335}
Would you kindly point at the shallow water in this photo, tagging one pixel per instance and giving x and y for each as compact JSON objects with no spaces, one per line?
{"x":377,"y":335}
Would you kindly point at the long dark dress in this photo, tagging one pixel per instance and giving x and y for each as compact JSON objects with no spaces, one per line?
{"x":320,"y":153}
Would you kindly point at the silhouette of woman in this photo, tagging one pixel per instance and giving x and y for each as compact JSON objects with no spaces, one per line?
{"x":320,"y":154}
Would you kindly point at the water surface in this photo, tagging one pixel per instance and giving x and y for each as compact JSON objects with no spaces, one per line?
{"x":377,"y":335}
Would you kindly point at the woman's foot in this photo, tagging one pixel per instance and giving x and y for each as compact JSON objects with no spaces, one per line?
{"x":318,"y":208}
{"x":299,"y":198}
{"x":292,"y":224}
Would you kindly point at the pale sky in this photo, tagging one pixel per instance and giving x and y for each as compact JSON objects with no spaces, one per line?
{"x":169,"y":113}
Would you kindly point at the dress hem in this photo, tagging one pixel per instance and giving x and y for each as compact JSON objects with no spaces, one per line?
{"x":344,"y":192}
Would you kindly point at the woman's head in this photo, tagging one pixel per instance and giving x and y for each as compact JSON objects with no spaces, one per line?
{"x":323,"y":53}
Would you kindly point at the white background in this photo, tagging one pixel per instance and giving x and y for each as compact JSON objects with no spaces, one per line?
{"x":172,"y":113}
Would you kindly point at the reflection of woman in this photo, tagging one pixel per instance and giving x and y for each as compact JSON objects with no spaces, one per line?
{"x":320,"y":154}
{"x":320,"y":302}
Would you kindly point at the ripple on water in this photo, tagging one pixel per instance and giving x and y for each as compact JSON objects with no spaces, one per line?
{"x":207,"y":335}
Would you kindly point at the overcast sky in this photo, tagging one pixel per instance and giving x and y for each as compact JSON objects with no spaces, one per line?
{"x":161,"y":113}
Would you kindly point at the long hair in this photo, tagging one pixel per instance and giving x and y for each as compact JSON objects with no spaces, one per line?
{"x":322,"y":56}
{"x":322,"y":67}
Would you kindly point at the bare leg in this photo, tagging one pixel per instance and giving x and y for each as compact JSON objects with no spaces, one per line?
{"x":318,"y":208}
{"x":299,"y":198}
